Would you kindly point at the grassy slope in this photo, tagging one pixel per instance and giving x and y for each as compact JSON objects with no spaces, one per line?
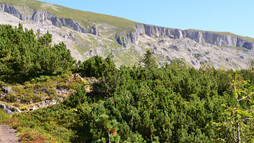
{"x":80,"y":16}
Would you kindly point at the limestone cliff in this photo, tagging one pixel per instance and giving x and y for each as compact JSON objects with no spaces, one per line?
{"x":127,"y":40}
{"x":43,"y":16}
{"x":11,"y":10}
{"x":198,"y":36}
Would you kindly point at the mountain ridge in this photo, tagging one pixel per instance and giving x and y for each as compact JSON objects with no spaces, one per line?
{"x":125,"y":35}
{"x":125,"y":20}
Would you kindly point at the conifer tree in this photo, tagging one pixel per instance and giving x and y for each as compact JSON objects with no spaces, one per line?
{"x":149,"y":60}
{"x":237,"y":117}
{"x":22,"y":56}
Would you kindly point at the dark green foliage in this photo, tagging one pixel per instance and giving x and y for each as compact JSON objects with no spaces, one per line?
{"x":94,"y":67}
{"x":140,"y":104}
{"x":251,"y":64}
{"x":23,"y":55}
{"x":105,"y":70}
{"x":149,"y":60}
{"x":78,"y":98}
{"x":143,"y":104}
{"x":237,"y":116}
{"x":173,"y":104}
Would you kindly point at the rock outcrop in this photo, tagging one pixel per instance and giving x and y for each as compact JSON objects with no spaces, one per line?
{"x":43,"y":16}
{"x":42,"y":104}
{"x":12,"y":110}
{"x":9,"y":109}
{"x":95,"y":30}
{"x":198,"y":36}
{"x":128,"y":39}
{"x":11,"y":10}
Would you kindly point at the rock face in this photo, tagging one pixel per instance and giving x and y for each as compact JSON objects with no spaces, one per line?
{"x":95,"y":30}
{"x":43,"y":16}
{"x":218,"y":39}
{"x":11,"y":10}
{"x":198,"y":36}
{"x":128,"y":39}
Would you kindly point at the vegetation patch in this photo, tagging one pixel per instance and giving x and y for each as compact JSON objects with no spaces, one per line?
{"x":142,"y":103}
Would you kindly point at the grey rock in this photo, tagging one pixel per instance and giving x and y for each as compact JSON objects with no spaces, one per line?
{"x":174,"y":47}
{"x":42,"y":16}
{"x":161,"y":41}
{"x":7,"y":89}
{"x":65,"y":36}
{"x":193,"y":62}
{"x":140,"y":29}
{"x":228,"y":60}
{"x":46,"y":91}
{"x":198,"y":36}
{"x":128,"y":39}
{"x":18,"y":110}
{"x":207,"y":52}
{"x":156,"y":31}
{"x":2,"y":106}
{"x":71,"y":35}
{"x":95,"y":30}
{"x":11,"y":10}
{"x":43,"y":104}
{"x":168,"y":58}
{"x":40,"y":30}
{"x":9,"y":109}
{"x":248,"y":45}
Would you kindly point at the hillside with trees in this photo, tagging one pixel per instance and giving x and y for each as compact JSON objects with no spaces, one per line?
{"x":143,"y":103}
{"x":25,"y":55}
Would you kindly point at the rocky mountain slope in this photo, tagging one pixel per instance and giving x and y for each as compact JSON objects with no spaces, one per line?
{"x":87,"y":34}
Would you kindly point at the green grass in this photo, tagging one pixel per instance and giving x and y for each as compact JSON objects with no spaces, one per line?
{"x":85,"y":18}
{"x":32,"y":90}
{"x":3,"y":116}
{"x":92,"y":43}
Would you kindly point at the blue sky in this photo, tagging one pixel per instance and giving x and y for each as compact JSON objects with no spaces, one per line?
{"x":235,"y":16}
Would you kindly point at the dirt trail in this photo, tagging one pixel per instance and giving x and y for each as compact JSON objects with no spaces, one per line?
{"x":8,"y":135}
